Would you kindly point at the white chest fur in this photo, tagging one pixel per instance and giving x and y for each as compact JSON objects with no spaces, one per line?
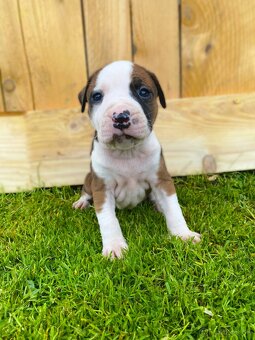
{"x":128,"y":174}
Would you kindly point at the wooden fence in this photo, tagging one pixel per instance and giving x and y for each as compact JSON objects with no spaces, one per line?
{"x":200,"y":49}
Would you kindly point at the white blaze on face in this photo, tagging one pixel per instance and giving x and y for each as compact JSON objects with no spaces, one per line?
{"x":113,"y":81}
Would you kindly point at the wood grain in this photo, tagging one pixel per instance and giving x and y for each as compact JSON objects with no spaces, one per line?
{"x":14,"y":160}
{"x":2,"y":108}
{"x":15,"y":81}
{"x":198,"y":135}
{"x":156,"y":41}
{"x":218,"y":39}
{"x":64,"y":158}
{"x":53,"y":36}
{"x":108,"y":32}
{"x":208,"y":134}
{"x":43,"y":148}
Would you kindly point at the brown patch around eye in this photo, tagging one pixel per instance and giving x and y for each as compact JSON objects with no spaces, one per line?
{"x":143,"y":75}
{"x":151,"y":80}
{"x":141,"y":78}
{"x":165,"y":181}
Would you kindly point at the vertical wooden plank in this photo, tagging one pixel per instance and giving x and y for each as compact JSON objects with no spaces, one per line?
{"x":55,"y":48}
{"x":108,"y":31}
{"x":218,"y":39}
{"x":16,"y":86}
{"x":156,"y":41}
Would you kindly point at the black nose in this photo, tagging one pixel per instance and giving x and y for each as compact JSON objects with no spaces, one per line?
{"x":121,"y":120}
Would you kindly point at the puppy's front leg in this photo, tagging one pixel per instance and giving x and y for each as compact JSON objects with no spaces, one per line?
{"x":176,"y":223}
{"x":113,"y":241}
{"x":164,"y":195}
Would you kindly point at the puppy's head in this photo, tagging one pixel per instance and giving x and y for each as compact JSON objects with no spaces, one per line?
{"x":122,"y":103}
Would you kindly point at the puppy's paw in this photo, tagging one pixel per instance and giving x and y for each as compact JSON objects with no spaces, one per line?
{"x":115,"y":249}
{"x":82,"y":203}
{"x":190,"y":235}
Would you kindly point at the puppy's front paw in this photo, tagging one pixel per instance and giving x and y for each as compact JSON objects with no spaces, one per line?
{"x":115,"y":249}
{"x":82,"y":203}
{"x":190,"y":235}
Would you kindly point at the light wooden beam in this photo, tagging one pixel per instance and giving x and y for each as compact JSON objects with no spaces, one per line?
{"x":198,"y":135}
{"x":208,"y":134}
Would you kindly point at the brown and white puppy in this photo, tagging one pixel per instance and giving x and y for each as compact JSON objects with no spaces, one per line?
{"x":126,"y":159}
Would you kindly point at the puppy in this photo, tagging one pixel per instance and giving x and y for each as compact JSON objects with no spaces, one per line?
{"x":127,"y":162}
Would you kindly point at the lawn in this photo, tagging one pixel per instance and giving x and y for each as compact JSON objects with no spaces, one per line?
{"x":54,"y":283}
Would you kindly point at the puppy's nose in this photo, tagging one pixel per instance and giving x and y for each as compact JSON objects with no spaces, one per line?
{"x":121,"y":120}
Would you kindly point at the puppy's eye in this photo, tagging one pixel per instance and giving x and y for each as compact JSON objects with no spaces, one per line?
{"x":96,"y":97}
{"x":144,"y":92}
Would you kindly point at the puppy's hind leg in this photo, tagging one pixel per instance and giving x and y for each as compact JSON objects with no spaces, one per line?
{"x":86,"y":194}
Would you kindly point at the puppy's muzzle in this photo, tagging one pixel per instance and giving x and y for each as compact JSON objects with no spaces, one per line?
{"x":121,"y":120}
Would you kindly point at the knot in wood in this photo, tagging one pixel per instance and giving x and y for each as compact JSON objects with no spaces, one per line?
{"x":9,"y":85}
{"x":209,"y":164}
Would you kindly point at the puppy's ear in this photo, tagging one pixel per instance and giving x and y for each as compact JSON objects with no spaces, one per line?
{"x":83,"y":97}
{"x":160,"y":91}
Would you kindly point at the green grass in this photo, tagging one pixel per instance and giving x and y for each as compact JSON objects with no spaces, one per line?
{"x":54,"y":283}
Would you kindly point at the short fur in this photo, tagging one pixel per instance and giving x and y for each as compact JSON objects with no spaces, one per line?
{"x":127,"y":161}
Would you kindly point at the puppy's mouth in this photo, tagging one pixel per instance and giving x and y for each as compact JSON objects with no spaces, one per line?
{"x":123,"y":130}
{"x":123,"y":141}
{"x":122,"y":138}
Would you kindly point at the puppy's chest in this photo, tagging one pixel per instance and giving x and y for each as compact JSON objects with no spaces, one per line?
{"x":129,"y":191}
{"x":130,"y":181}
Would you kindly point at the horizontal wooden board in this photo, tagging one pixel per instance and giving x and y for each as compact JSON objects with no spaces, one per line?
{"x":58,"y":144}
{"x":208,"y":134}
{"x":14,"y":170}
{"x":198,"y":135}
